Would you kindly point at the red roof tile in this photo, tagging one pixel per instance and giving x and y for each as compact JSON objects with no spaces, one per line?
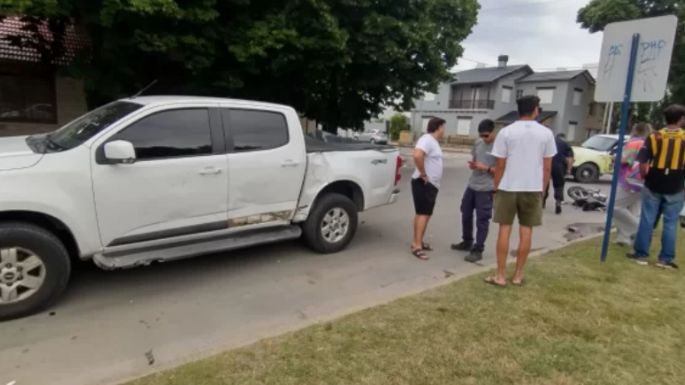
{"x":13,"y":26}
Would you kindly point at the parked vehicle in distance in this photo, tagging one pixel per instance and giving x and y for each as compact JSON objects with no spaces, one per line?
{"x":152,"y":179}
{"x":594,"y":158}
{"x":373,"y":136}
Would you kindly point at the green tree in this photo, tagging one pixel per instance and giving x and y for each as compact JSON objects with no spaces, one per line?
{"x":598,"y":13}
{"x":338,"y":62}
{"x":398,"y":123}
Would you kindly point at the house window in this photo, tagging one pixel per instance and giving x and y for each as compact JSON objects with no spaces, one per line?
{"x":519,"y":94}
{"x":27,"y":98}
{"x":546,"y":95}
{"x":506,"y":94}
{"x":464,"y":125}
{"x":577,"y":95}
{"x":571,"y":132}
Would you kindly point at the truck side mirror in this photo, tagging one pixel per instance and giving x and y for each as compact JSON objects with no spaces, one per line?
{"x":120,"y":152}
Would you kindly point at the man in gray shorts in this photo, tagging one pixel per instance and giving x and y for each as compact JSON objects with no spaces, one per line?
{"x":524,"y":152}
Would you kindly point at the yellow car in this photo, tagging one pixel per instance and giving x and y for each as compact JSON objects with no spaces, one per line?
{"x":594,"y":157}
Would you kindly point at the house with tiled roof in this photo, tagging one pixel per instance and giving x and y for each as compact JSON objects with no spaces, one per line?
{"x":491,"y":93}
{"x":34,"y":98}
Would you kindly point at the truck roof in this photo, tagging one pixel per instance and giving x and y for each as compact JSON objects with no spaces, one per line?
{"x":166,"y":99}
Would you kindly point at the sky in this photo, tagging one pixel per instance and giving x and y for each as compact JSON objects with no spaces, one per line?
{"x":541,"y":33}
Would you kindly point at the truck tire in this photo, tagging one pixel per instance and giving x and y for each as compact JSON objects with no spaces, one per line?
{"x":587,"y":173}
{"x":34,"y":269}
{"x":331,"y":224}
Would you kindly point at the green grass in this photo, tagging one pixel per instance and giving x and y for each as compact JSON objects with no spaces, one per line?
{"x":575,"y":322}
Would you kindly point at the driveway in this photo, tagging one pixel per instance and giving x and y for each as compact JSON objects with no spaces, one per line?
{"x":111,"y":326}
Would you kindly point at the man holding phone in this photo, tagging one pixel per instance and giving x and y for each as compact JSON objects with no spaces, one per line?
{"x":478,"y":196}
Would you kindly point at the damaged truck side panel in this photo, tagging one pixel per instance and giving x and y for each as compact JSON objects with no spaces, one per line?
{"x":338,"y":172}
{"x":153,"y":179}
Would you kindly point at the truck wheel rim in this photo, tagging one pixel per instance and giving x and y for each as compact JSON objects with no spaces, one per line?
{"x":335,"y":225}
{"x":22,"y":274}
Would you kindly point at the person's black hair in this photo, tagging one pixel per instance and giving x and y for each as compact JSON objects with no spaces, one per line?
{"x":434,"y":124}
{"x":674,"y":113}
{"x":527,"y":105}
{"x":486,"y":126}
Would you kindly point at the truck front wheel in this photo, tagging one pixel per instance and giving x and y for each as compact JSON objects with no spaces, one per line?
{"x":34,"y":269}
{"x":331,"y":224}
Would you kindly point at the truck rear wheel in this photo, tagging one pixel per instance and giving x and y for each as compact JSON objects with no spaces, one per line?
{"x":332,"y":224}
{"x":34,"y":269}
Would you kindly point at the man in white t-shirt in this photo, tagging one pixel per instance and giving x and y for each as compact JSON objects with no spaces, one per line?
{"x":426,"y":182}
{"x":524,"y":152}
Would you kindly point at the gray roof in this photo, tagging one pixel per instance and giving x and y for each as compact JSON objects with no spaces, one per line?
{"x":487,"y":75}
{"x":556,"y":76}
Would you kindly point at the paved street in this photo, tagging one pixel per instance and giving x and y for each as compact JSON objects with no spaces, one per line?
{"x":100,"y":332}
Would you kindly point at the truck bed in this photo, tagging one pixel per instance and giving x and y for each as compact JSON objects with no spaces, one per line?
{"x":317,"y":145}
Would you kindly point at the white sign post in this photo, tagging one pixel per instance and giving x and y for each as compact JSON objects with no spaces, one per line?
{"x":633,"y":67}
{"x":654,"y":52}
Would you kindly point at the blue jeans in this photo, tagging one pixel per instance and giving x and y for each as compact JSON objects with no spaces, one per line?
{"x":481,"y":203}
{"x":670,"y":207}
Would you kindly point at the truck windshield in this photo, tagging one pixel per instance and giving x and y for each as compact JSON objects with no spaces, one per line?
{"x":80,"y":130}
{"x":600,"y":143}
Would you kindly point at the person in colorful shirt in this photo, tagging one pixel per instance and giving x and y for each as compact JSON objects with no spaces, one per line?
{"x":627,"y":206}
{"x":662,"y":164}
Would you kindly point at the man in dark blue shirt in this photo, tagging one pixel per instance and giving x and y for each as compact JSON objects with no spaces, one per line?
{"x":561,"y":165}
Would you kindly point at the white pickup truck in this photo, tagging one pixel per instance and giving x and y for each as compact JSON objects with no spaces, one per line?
{"x":150,"y":179}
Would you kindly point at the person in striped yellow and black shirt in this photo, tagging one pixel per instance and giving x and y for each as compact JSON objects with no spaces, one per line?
{"x":662,"y":163}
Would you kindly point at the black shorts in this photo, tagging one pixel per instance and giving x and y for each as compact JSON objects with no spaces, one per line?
{"x":424,"y":195}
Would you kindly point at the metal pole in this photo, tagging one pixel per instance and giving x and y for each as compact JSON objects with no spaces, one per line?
{"x":625,"y":107}
{"x":610,"y":117}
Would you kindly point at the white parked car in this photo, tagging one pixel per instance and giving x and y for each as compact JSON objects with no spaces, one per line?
{"x":151,"y":179}
{"x":373,"y":136}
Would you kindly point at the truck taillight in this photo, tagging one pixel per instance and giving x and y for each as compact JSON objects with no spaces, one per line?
{"x":398,"y":171}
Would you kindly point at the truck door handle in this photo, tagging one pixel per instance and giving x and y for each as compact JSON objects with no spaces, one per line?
{"x":289,"y":163}
{"x":210,"y":171}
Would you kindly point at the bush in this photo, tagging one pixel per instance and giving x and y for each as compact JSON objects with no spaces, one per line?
{"x":398,"y":123}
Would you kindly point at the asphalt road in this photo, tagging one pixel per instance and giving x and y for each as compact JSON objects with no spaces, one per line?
{"x":111,"y":326}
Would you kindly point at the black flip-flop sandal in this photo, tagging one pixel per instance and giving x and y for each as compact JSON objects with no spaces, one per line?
{"x":426,"y":247}
{"x":493,"y":282}
{"x":418,"y":253}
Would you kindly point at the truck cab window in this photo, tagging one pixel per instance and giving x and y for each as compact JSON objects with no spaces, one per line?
{"x":168,"y":134}
{"x":254,"y":130}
